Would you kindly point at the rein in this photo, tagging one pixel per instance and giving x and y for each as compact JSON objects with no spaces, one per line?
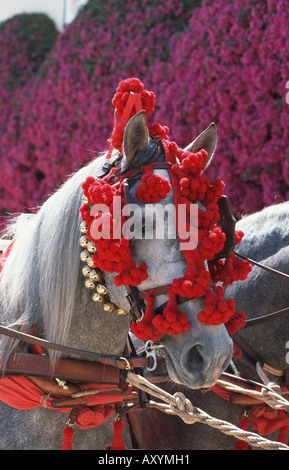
{"x":119,"y":362}
{"x":248,"y":352}
{"x":269,"y":316}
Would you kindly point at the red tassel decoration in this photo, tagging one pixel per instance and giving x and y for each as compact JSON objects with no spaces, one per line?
{"x":189,"y":185}
{"x":212,"y":243}
{"x":117,"y":443}
{"x":153,"y":187}
{"x":283,"y":435}
{"x":230,"y":270}
{"x":239,"y":444}
{"x":145,"y":329}
{"x":217,"y":310}
{"x":172,"y":321}
{"x":196,"y":280}
{"x":68,"y":435}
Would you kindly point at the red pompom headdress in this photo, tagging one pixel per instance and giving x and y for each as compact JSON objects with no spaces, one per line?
{"x":190,"y":185}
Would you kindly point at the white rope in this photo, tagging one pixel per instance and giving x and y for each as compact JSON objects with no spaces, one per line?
{"x":179,"y":405}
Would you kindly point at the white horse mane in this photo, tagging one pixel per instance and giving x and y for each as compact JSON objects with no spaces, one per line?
{"x":38,"y":283}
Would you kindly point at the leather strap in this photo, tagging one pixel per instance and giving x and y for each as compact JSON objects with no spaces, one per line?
{"x":268,"y":317}
{"x":80,"y":401}
{"x":241,"y":398}
{"x":251,"y":355}
{"x":160,"y":290}
{"x":51,"y":386}
{"x":266,"y":268}
{"x":67,"y":369}
{"x":227,"y":222}
{"x":107,"y":359}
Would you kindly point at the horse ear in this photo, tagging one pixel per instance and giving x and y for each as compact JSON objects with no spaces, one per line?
{"x":206,"y":140}
{"x":136,"y":135}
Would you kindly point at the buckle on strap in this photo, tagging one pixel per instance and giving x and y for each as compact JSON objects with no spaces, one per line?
{"x":127,"y":363}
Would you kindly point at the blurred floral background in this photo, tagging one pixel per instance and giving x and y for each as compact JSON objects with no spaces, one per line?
{"x":205,"y":60}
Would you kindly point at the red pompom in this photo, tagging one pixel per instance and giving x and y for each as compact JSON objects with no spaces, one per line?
{"x":192,"y":285}
{"x":158,"y":132}
{"x":230,"y":270}
{"x":172,"y":321}
{"x":208,"y":218}
{"x":236,"y":322}
{"x":153,"y":187}
{"x":238,"y":236}
{"x":213,"y":193}
{"x":194,"y":163}
{"x":217,"y":310}
{"x":133,"y":276}
{"x":212,"y":243}
{"x":129,"y":91}
{"x":133,"y":85}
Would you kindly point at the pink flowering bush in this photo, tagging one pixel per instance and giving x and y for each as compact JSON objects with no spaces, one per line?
{"x":63,"y":115}
{"x":25,"y":40}
{"x":231,"y":66}
{"x":206,"y":61}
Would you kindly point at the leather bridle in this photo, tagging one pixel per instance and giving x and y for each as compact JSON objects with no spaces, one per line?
{"x":227,"y":221}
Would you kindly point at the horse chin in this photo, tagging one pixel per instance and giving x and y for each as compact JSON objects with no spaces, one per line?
{"x":193,"y":369}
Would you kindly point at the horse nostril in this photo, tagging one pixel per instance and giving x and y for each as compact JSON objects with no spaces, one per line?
{"x":193,"y":358}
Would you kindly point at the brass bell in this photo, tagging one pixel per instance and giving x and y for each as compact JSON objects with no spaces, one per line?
{"x":108,"y":307}
{"x":97,"y":298}
{"x":84,"y":255}
{"x":83,"y":227}
{"x":89,"y":284}
{"x":84,"y":200}
{"x":90,"y":261}
{"x":86,"y":271}
{"x":94,"y":275}
{"x":101,"y":289}
{"x":120,"y":311}
{"x":91,"y":247}
{"x":83,"y":241}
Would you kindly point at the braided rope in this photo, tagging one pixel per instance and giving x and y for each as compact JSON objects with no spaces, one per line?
{"x":179,"y":405}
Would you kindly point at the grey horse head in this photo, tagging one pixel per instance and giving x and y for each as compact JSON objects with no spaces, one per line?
{"x":198,"y":356}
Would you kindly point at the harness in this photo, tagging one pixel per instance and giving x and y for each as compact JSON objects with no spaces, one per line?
{"x":94,"y":386}
{"x":101,"y":377}
{"x":227,"y":222}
